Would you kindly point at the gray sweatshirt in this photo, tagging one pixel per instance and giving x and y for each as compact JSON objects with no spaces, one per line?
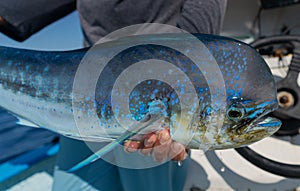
{"x":20,"y":20}
{"x":99,"y":18}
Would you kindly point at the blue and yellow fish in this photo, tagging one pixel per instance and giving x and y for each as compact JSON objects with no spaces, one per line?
{"x":222,"y":107}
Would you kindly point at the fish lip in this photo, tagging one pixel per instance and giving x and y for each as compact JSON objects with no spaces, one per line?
{"x":264,"y":122}
{"x":267,"y":123}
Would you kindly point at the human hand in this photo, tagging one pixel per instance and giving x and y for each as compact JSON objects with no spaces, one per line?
{"x":159,"y":145}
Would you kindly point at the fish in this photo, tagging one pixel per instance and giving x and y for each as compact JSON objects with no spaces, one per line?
{"x":214,"y":92}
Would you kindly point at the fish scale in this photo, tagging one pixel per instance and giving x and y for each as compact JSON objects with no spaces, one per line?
{"x":37,"y":86}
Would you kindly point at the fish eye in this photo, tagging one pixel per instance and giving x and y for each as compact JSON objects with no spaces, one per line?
{"x":235,"y":113}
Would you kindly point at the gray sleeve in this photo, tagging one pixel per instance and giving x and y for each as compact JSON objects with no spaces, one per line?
{"x":202,"y":16}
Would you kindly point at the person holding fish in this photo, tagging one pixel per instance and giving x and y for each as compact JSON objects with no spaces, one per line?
{"x":219,"y":105}
{"x":99,"y":18}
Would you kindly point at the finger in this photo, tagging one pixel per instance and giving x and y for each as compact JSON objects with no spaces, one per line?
{"x":160,"y":152}
{"x":150,"y":140}
{"x":131,"y":146}
{"x":161,"y":149}
{"x":177,"y":151}
{"x":146,"y":151}
{"x":164,"y":136}
{"x":180,"y":157}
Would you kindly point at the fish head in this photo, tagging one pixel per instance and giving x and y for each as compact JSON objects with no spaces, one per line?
{"x":246,"y":122}
{"x":250,"y":95}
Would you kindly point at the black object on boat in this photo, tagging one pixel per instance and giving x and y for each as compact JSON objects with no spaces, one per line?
{"x":288,"y":98}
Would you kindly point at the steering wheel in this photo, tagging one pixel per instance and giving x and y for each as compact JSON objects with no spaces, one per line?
{"x":288,"y":95}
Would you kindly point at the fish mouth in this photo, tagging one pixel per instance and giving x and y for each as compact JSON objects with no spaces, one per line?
{"x":269,"y":124}
{"x":263,"y":123}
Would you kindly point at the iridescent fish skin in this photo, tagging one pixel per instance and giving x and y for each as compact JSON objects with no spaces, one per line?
{"x":37,"y":86}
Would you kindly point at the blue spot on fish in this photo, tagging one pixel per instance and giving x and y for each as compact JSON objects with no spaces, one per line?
{"x":46,"y":69}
